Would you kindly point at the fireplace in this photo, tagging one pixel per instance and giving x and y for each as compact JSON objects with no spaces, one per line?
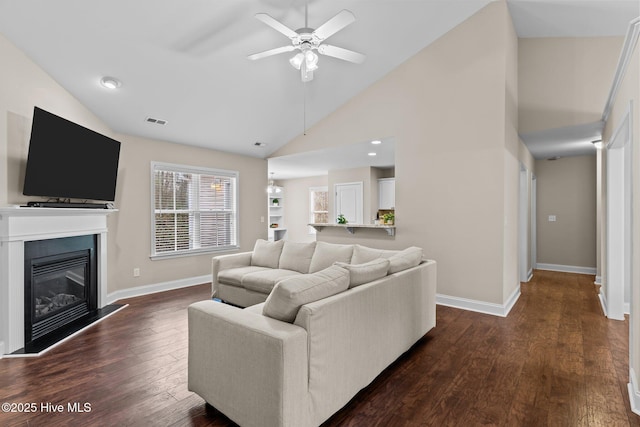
{"x":18,"y":227}
{"x":60,"y":284}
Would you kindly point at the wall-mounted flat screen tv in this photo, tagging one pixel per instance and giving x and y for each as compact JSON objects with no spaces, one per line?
{"x":67,"y":160}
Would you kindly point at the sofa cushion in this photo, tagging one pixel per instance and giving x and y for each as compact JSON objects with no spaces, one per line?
{"x":359,"y":274}
{"x":297,"y":256}
{"x":405,"y":259}
{"x":264,"y":281}
{"x":362,"y":254}
{"x":328,"y":253}
{"x":233,"y":276}
{"x":290,"y":294}
{"x":266,"y":254}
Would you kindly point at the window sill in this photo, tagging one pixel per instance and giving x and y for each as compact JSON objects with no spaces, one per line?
{"x":196,"y":252}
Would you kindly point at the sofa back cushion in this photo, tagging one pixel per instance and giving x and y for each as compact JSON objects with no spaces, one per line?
{"x":266,"y":254}
{"x":362,"y":254}
{"x":296,"y":256}
{"x":405,"y":259}
{"x":290,"y":294}
{"x":328,"y":253}
{"x":359,"y":274}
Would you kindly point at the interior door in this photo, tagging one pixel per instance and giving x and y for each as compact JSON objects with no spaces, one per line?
{"x":349,"y":201}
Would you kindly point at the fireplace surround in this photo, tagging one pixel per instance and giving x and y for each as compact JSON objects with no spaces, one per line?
{"x":21,"y":225}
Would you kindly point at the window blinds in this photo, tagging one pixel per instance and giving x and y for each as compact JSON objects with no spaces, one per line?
{"x":193,"y":209}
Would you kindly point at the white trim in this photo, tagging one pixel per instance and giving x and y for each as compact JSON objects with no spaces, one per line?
{"x":567,"y":268}
{"x":530,"y":275}
{"x":603,"y":301}
{"x":634,"y":393}
{"x":598,"y":280}
{"x":618,"y":208}
{"x":1,"y":349}
{"x":493,"y":309}
{"x":157,"y":287}
{"x":626,"y":308}
{"x":625,"y":57}
{"x":16,"y":356}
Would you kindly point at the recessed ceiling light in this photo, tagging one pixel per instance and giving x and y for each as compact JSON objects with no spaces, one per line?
{"x":110,"y":82}
{"x":372,"y":154}
{"x":376,"y":142}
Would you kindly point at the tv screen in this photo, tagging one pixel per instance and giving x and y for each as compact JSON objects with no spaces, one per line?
{"x":67,"y":160}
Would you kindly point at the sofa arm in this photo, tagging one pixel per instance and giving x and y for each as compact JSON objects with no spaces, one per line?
{"x":224,"y":262}
{"x":250,"y":367}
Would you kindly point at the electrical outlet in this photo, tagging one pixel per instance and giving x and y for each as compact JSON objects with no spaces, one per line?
{"x":261,"y":219}
{"x":552,"y":218}
{"x":136,"y":272}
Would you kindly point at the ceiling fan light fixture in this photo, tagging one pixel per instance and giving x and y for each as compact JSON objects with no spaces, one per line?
{"x":311,"y":60}
{"x":306,"y":74}
{"x":296,"y":60}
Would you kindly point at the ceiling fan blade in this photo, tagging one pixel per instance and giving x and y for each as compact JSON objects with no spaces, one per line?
{"x":340,"y":53}
{"x":276,"y":25}
{"x":335,"y":24}
{"x":270,"y":52}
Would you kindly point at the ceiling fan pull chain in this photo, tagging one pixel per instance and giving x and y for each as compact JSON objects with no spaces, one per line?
{"x":304,"y":108}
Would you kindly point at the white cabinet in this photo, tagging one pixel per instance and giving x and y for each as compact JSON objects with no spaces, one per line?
{"x":276,"y":230}
{"x":387,"y":193}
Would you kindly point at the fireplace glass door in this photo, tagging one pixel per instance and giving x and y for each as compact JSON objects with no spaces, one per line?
{"x":58,"y":285}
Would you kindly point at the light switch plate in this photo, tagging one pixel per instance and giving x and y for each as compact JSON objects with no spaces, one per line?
{"x":552,"y":218}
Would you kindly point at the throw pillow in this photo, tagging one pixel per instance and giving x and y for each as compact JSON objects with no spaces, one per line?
{"x":290,"y":294}
{"x":362,"y":254}
{"x":297,"y":256}
{"x":328,"y":253}
{"x":359,"y":274}
{"x":266,"y":254}
{"x":404,"y":259}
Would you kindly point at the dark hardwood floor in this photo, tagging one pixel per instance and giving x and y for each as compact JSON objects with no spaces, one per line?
{"x":555,"y":360}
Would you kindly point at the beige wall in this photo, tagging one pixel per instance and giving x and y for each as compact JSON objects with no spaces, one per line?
{"x":446,"y":109}
{"x":23,"y":85}
{"x":130,"y":228}
{"x":564,"y":81}
{"x":296,"y":206}
{"x":567,"y":189}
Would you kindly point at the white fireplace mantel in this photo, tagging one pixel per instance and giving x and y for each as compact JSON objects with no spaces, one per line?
{"x":23,"y":224}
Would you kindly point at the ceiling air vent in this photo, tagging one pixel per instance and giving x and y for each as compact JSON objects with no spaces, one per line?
{"x":156,"y":121}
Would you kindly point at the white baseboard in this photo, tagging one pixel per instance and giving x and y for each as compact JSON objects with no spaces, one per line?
{"x":634,"y":394}
{"x":603,"y":301}
{"x":530,"y":275}
{"x":1,"y":349}
{"x":494,"y":309}
{"x":157,"y":287}
{"x":627,"y":308}
{"x":567,"y":268}
{"x":598,"y":280}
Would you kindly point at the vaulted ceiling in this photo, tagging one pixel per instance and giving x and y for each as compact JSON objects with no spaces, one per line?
{"x":186,"y":61}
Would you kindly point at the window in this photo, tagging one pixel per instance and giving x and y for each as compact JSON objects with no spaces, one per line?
{"x":194,"y":210}
{"x":318,"y":206}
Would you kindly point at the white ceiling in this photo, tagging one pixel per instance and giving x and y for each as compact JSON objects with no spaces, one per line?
{"x":185,"y":61}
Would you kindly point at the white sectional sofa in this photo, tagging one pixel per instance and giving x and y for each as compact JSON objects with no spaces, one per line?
{"x":319,"y":338}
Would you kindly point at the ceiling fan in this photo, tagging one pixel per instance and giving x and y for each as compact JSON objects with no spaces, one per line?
{"x":307,"y":40}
